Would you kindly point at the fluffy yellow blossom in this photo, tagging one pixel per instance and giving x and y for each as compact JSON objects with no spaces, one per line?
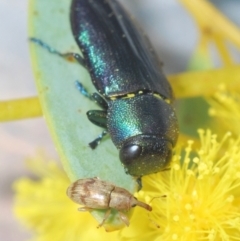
{"x":225,"y":108}
{"x":43,"y":206}
{"x":197,"y":199}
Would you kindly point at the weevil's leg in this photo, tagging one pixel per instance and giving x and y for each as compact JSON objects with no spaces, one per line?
{"x":124,"y":218}
{"x":68,"y":56}
{"x":96,"y":142}
{"x":105,"y":218}
{"x":98,"y":117}
{"x":85,"y":209}
{"x":98,"y":99}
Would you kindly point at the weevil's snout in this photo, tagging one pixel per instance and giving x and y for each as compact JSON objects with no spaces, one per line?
{"x":135,"y":202}
{"x":144,"y":205}
{"x":143,"y":155}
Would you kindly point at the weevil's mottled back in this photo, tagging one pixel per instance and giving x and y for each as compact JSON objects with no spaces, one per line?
{"x":94,"y":193}
{"x":90,"y":192}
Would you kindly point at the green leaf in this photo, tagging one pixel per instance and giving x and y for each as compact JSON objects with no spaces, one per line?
{"x":63,"y":106}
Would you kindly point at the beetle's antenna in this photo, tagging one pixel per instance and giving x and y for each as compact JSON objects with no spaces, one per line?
{"x":68,"y":56}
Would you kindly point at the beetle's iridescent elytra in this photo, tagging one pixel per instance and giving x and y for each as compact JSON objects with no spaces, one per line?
{"x":138,"y":112}
{"x":94,"y":193}
{"x":135,"y":96}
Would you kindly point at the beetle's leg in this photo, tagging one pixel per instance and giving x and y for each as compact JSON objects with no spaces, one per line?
{"x":105,"y":218}
{"x":124,"y":218}
{"x":68,"y":56}
{"x":98,"y":99}
{"x":95,"y":142}
{"x":139,"y":182}
{"x":166,"y":169}
{"x":98,"y":117}
{"x":82,"y":90}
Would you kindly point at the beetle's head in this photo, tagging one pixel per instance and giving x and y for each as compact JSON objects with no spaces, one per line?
{"x":145,"y":154}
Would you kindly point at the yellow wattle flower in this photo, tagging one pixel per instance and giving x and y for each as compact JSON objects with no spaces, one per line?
{"x":197,"y":199}
{"x":225,"y":110}
{"x":43,"y":207}
{"x":214,"y":28}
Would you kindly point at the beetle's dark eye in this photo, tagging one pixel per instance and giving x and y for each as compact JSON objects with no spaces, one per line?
{"x":134,"y":205}
{"x":130,"y":153}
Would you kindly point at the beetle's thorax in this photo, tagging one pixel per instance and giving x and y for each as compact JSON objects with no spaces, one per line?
{"x":141,"y":114}
{"x":120,"y":199}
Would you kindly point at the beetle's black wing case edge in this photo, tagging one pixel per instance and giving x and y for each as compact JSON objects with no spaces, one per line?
{"x":119,"y":57}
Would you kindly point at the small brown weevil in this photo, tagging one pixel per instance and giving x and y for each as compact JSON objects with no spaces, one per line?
{"x":94,"y":193}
